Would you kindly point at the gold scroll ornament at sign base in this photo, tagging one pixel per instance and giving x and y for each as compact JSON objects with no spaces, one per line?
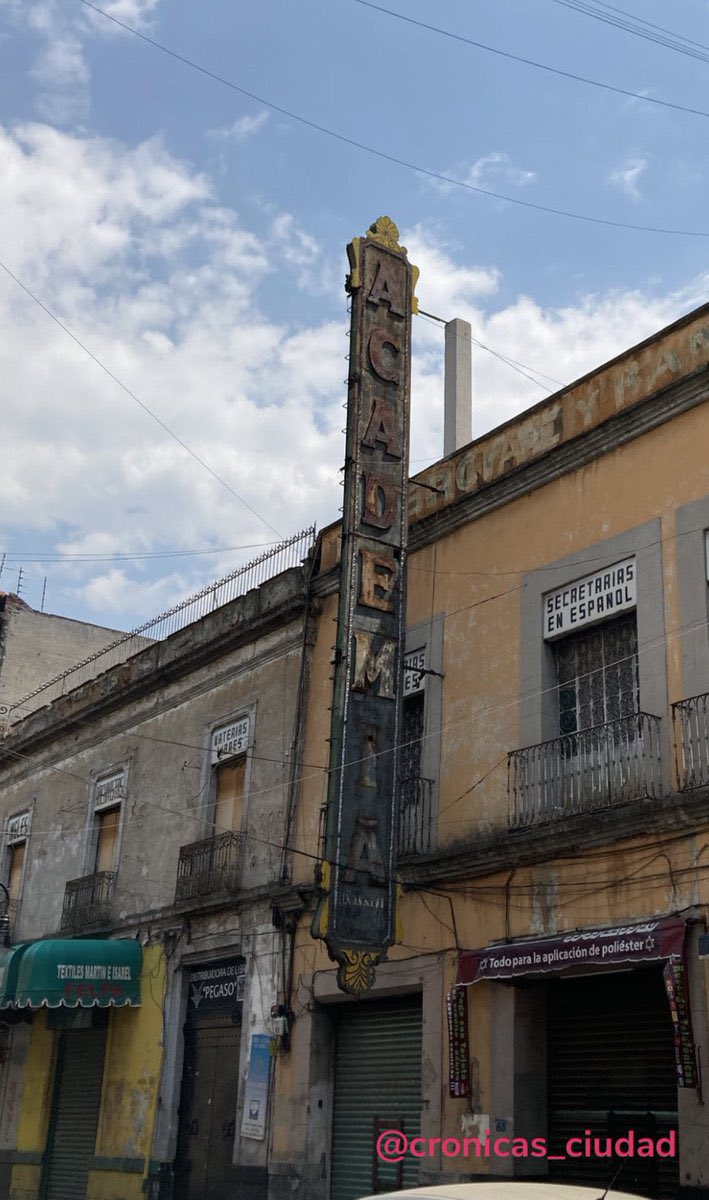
{"x":355,"y":974}
{"x":386,"y":232}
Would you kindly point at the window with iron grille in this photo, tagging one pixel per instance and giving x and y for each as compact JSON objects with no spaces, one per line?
{"x":412,"y":736}
{"x":597,"y":673}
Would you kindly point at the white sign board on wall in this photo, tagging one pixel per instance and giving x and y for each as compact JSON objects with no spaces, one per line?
{"x":414,"y":671}
{"x":590,"y":599}
{"x":229,"y":740}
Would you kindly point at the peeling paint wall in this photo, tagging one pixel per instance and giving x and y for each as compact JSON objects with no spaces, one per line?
{"x":133,"y":1063}
{"x":36,"y":1107}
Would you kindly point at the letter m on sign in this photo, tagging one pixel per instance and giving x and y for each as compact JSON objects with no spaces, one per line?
{"x":370,"y":667}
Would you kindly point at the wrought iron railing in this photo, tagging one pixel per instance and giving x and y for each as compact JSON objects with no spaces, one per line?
{"x":578,"y":772}
{"x":690,"y":721}
{"x":288,"y":553}
{"x":88,"y":901}
{"x":415,"y":815}
{"x":209,"y":866}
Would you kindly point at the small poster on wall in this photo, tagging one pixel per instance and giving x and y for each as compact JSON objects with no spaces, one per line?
{"x":458,"y":1047}
{"x":253,"y":1122}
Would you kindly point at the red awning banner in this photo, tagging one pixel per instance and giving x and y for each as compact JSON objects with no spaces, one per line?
{"x":589,"y":950}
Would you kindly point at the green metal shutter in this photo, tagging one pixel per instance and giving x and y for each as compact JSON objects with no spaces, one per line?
{"x":77,"y":1098}
{"x":611,"y":1068}
{"x":377,"y":1084}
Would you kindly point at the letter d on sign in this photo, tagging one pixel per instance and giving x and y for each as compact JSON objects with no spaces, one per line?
{"x":667,"y":1147}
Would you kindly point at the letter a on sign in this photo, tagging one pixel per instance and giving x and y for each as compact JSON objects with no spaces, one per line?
{"x":356,"y":913}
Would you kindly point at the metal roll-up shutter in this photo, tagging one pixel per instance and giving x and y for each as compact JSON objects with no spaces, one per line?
{"x":377,"y":1087}
{"x":611,"y":1068}
{"x":77,"y":1098}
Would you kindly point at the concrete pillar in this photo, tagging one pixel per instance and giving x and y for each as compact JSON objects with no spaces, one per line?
{"x":458,"y":386}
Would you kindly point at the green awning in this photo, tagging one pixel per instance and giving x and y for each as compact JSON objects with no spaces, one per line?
{"x":72,"y":972}
{"x":9,"y":966}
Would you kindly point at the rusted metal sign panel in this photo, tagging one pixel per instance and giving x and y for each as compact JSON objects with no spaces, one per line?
{"x":357,"y":917}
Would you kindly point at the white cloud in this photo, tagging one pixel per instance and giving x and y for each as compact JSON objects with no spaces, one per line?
{"x":130,"y":250}
{"x":60,"y":68}
{"x":298,"y":246}
{"x":490,"y":171}
{"x":495,"y":167}
{"x":564,"y":342}
{"x":243,"y":128}
{"x":626,"y":176}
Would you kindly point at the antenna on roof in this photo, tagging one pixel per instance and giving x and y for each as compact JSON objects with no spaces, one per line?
{"x":44,"y":593}
{"x":20,"y":581}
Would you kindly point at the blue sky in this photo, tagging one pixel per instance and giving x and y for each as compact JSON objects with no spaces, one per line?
{"x":194,"y":240}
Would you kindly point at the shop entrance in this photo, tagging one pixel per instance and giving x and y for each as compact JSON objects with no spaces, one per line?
{"x":77,"y":1098}
{"x":377,"y":1087}
{"x":210,"y":1076}
{"x":611,"y":1069}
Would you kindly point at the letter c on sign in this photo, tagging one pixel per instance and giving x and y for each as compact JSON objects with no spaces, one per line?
{"x":417,"y":1141}
{"x":570,"y":1143}
{"x":378,"y":339}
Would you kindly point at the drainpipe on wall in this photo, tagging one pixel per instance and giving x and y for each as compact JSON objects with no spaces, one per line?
{"x":458,"y":386}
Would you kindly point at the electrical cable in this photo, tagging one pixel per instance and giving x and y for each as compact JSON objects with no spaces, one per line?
{"x":137,"y":400}
{"x":326,"y":770}
{"x":674,"y":42}
{"x":430,"y":317}
{"x":57,"y":558}
{"x":641,"y":21}
{"x":607,"y":87}
{"x":663,"y":639}
{"x":392,"y":158}
{"x":508,"y":361}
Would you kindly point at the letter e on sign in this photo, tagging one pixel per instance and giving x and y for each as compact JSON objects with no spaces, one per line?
{"x":378,"y":580}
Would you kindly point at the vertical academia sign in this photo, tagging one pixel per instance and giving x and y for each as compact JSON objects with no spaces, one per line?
{"x":357,"y":914}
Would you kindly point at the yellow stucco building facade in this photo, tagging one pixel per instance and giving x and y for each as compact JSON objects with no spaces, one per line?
{"x":553,"y":824}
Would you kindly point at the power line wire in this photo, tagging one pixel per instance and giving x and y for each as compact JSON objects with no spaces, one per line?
{"x":137,"y":400}
{"x":485,"y":711}
{"x":529,"y":62}
{"x":651,"y":25}
{"x":510,"y":362}
{"x":56,"y":558}
{"x":673,"y":42}
{"x":392,"y":158}
{"x":663,"y":639}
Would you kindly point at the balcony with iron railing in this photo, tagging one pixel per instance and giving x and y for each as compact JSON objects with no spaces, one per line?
{"x":88,"y":901}
{"x":580,"y":772}
{"x":415,"y":815}
{"x":690,"y":722}
{"x":209,"y":866}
